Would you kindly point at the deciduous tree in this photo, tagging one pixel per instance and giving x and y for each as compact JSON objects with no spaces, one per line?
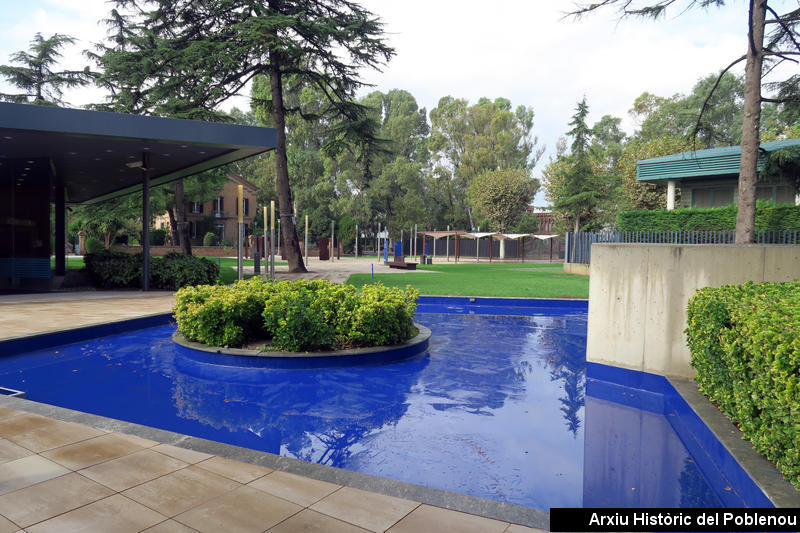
{"x":502,"y":196}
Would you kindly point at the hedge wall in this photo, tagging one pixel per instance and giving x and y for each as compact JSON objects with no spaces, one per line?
{"x":746,"y":349}
{"x":768,"y":217}
{"x":119,"y":270}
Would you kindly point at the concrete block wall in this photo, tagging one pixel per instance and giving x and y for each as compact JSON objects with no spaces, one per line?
{"x":638,"y":294}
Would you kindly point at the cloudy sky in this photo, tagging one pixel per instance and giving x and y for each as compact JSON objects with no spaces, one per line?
{"x":523,"y":50}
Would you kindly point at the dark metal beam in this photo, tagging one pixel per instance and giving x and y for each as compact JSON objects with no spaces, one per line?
{"x":145,"y":221}
{"x":61,"y":227}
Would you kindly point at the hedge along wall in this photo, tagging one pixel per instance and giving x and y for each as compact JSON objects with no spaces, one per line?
{"x":746,"y":349}
{"x":768,"y":217}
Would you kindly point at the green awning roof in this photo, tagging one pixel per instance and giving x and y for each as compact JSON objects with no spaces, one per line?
{"x":702,"y":163}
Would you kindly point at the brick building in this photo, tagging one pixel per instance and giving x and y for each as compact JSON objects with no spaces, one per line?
{"x":547,"y":222}
{"x":219,"y":215}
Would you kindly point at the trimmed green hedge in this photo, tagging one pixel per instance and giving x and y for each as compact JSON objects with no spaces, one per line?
{"x":746,"y":349}
{"x":768,"y":217}
{"x":296,"y":315}
{"x":119,"y":270}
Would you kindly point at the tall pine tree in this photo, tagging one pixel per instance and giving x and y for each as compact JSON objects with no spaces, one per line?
{"x":169,"y":52}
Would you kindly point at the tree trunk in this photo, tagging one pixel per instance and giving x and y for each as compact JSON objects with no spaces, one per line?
{"x":291,"y":244}
{"x":183,"y":226}
{"x":748,"y":170}
{"x":173,"y":227}
{"x":577,"y":223}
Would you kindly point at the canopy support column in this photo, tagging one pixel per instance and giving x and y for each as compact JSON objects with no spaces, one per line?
{"x":61,"y":228}
{"x":145,"y":221}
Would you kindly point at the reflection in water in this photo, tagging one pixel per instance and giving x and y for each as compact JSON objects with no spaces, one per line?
{"x":495,"y":410}
{"x":695,"y":491}
{"x":479,"y":414}
{"x":633,"y":458}
{"x":567,"y":346}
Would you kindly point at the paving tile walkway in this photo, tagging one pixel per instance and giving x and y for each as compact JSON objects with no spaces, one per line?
{"x":86,"y":479}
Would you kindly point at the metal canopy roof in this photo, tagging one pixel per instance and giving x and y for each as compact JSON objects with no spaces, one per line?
{"x":98,"y":154}
{"x":700,"y":164}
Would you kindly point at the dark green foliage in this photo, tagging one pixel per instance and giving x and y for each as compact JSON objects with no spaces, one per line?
{"x":745,"y":347}
{"x":296,"y":316}
{"x":768,"y":217}
{"x":176,"y":270}
{"x":527,"y":223}
{"x":34,"y":74}
{"x":158,"y":237}
{"x":113,"y":270}
{"x":94,"y":246}
{"x":210,"y":239}
{"x":346,"y":233}
{"x":120,"y":270}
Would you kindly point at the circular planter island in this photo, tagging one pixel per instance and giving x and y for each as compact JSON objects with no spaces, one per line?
{"x":373,"y":355}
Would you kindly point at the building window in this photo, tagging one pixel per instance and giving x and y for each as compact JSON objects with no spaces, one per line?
{"x":246,"y":204}
{"x":219,"y":204}
{"x":780,"y":194}
{"x":193,"y":228}
{"x":716,"y":197}
{"x":221,"y":232}
{"x":196,"y":207}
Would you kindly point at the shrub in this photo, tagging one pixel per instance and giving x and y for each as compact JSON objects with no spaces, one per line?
{"x":295,"y":320}
{"x":210,"y":239}
{"x":219,"y":315}
{"x":769,"y":216}
{"x":158,"y":236}
{"x":384,"y":315}
{"x":94,"y":246}
{"x":745,"y":347}
{"x":113,"y":270}
{"x":175,"y":270}
{"x":296,"y":316}
{"x":119,"y":270}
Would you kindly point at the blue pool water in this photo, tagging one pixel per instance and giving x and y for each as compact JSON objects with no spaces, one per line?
{"x":497,"y":408}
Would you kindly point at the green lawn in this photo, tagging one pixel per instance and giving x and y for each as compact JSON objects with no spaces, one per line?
{"x":521,"y":280}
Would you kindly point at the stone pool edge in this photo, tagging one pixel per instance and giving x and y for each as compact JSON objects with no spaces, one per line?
{"x":515,"y":514}
{"x":763,"y":473}
{"x":413,"y":346}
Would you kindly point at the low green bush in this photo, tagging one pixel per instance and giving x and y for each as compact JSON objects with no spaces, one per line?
{"x":769,"y":216}
{"x":296,"y":316}
{"x":220,"y":315}
{"x":120,"y":270}
{"x":176,"y":270}
{"x":295,"y":320}
{"x":746,"y":350}
{"x":113,"y":270}
{"x":94,"y":246}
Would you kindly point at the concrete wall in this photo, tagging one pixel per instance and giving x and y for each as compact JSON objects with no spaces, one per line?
{"x":576,"y":268}
{"x":638,"y":295}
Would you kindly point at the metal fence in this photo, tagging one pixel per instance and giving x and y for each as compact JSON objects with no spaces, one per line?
{"x":579,"y":245}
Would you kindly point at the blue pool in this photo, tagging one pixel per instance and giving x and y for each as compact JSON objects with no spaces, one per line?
{"x":498,"y":408}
